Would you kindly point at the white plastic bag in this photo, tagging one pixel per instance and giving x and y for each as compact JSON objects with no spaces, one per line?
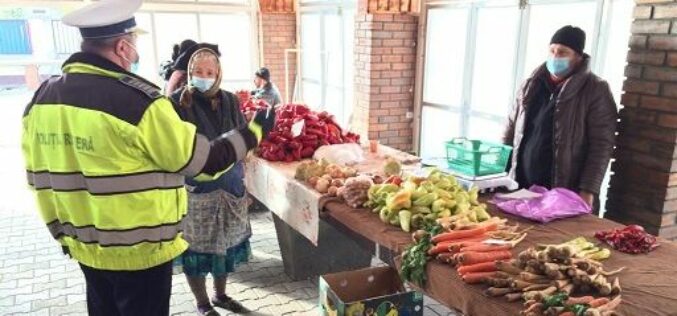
{"x":341,"y":154}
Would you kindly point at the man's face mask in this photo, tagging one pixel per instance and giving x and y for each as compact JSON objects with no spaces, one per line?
{"x":558,"y":66}
{"x":134,"y":65}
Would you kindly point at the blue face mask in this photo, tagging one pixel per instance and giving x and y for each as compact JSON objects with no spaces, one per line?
{"x":557,"y":66}
{"x":134,"y":65}
{"x":202,"y":84}
{"x":135,"y":68}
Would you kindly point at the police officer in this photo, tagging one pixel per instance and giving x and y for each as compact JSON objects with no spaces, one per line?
{"x":106,"y":155}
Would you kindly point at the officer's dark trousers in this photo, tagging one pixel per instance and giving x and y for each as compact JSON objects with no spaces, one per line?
{"x":129,"y":293}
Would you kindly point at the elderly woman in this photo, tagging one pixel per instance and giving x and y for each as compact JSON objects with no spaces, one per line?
{"x":176,"y":76}
{"x":217,"y":225}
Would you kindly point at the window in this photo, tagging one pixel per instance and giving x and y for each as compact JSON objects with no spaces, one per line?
{"x":445,"y":53}
{"x":66,"y":38}
{"x":39,"y":34}
{"x":237,"y":49}
{"x":546,"y":19}
{"x":15,"y":38}
{"x":327,"y":41}
{"x":471,"y":74}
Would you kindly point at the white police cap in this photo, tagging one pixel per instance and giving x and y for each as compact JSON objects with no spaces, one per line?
{"x":105,"y":18}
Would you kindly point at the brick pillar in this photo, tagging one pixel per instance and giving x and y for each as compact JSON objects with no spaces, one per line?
{"x":385,"y":49}
{"x":279,"y":33}
{"x":643,"y":189}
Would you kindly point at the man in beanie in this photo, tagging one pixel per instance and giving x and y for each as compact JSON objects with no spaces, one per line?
{"x":563,"y":123}
{"x":265,"y":89}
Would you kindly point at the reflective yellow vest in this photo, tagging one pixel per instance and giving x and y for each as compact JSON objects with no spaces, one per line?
{"x":106,"y":155}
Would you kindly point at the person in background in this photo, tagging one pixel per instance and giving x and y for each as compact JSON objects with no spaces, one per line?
{"x":167,"y":67}
{"x":265,"y":89}
{"x":217,"y":226}
{"x":106,"y":155}
{"x":563,"y":123}
{"x":178,"y":78}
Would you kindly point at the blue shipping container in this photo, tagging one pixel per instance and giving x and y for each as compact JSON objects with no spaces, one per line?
{"x":15,"y":38}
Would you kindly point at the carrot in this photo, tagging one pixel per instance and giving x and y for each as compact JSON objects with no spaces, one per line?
{"x":438,"y":249}
{"x":459,"y":234}
{"x":486,"y":248}
{"x":480,"y":267}
{"x":567,"y":314}
{"x":445,"y":257}
{"x":471,"y":257}
{"x":598,"y":302}
{"x":476,"y":277}
{"x":579,"y":300}
{"x":456,"y":247}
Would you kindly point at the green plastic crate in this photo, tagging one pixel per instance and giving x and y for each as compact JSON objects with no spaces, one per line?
{"x":477,"y":158}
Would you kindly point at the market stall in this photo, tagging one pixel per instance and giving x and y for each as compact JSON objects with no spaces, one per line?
{"x":332,"y":216}
{"x":649,"y":281}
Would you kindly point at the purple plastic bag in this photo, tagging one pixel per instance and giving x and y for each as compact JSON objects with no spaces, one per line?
{"x":551,"y":205}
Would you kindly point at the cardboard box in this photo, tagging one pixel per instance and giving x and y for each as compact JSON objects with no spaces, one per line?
{"x":368,"y":292}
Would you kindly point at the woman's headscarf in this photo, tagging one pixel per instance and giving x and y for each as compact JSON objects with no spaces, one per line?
{"x":213,"y":93}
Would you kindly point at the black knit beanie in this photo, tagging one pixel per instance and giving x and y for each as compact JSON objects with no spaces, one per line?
{"x":263,"y":73}
{"x":570,"y":36}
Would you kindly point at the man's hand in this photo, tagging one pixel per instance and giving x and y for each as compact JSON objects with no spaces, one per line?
{"x":262,"y":123}
{"x":587,"y":197}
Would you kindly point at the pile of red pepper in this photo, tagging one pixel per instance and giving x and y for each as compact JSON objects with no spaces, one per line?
{"x":631,"y":239}
{"x":319,"y":129}
{"x":243,"y":96}
{"x":253,"y":105}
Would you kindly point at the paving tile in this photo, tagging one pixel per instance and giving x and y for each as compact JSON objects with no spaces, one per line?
{"x":58,"y":284}
{"x":22,"y":298}
{"x":17,"y":308}
{"x":33,"y":312}
{"x":7,"y":285}
{"x":7,"y":300}
{"x":31,"y":281}
{"x":66,"y":291}
{"x":184,"y":308}
{"x":75,"y":298}
{"x":52,"y":302}
{"x":79,"y":308}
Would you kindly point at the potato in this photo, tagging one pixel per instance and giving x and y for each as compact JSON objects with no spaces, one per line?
{"x":336,"y":174}
{"x":332,"y":191}
{"x":327,"y":177}
{"x":337,"y":182}
{"x":313,"y":181}
{"x":322,"y":186}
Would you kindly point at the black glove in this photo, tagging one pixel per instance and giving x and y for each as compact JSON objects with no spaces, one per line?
{"x":264,"y":121}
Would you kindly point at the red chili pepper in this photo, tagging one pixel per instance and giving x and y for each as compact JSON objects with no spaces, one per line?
{"x":297,"y":153}
{"x":315,"y":131}
{"x":631,"y":239}
{"x":308,"y":137}
{"x":307,"y":152}
{"x":311,"y":117}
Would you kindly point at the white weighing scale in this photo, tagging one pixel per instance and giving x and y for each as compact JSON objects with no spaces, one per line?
{"x":488,"y":183}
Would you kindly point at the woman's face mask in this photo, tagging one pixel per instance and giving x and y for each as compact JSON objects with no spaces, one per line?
{"x":202,"y":84}
{"x":203,"y":74}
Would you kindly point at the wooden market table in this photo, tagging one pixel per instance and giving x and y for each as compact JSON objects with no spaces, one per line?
{"x":317,"y":237}
{"x":649,"y":283}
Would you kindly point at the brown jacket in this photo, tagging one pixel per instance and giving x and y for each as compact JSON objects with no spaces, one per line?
{"x":584,"y":122}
